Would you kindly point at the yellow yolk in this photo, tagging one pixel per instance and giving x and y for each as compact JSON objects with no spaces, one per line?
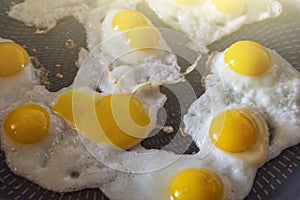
{"x":27,"y":124}
{"x":247,"y":58}
{"x":128,"y":19}
{"x":123,"y":120}
{"x":233,"y":131}
{"x":195,"y":184}
{"x":188,"y":2}
{"x":71,"y":101}
{"x":116,"y":119}
{"x":232,"y":7}
{"x":142,"y":37}
{"x":13,"y":58}
{"x":140,"y":34}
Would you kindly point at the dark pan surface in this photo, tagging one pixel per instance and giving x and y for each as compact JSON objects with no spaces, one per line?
{"x":276,"y":180}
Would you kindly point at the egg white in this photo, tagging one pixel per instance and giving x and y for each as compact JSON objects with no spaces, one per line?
{"x":12,"y":88}
{"x":112,"y":66}
{"x":114,"y":43}
{"x":204,"y":24}
{"x":197,"y":123}
{"x":97,"y":72}
{"x":93,"y":19}
{"x":275,"y":95}
{"x":132,"y":70}
{"x":45,"y":13}
{"x":59,"y":162}
{"x":154,"y":184}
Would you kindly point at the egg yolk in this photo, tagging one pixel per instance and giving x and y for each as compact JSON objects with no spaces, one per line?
{"x":128,"y":19}
{"x":73,"y":101}
{"x":13,"y":58}
{"x":233,"y":131}
{"x":140,"y":34}
{"x":116,"y":119}
{"x":27,"y":124}
{"x":142,"y":37}
{"x":195,"y":184}
{"x":232,"y":7}
{"x":188,"y":2}
{"x":123,"y":120}
{"x":247,"y":58}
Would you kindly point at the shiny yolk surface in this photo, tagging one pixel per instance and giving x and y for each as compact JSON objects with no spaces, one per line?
{"x":123,"y":120}
{"x":195,"y":184}
{"x":128,"y":19}
{"x":247,"y":58}
{"x":229,"y":6}
{"x":13,"y":58}
{"x":116,"y":119}
{"x":70,"y":102}
{"x":27,"y":124}
{"x":140,"y":34}
{"x":233,"y":131}
{"x":142,"y":37}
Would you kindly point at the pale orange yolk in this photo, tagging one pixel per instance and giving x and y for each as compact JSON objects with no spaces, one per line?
{"x":195,"y":184}
{"x":13,"y":58}
{"x":27,"y":124}
{"x":247,"y":58}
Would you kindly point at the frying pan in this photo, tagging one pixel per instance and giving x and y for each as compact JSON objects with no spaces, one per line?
{"x":278,"y":179}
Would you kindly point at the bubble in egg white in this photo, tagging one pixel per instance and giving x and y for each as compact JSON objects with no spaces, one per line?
{"x":12,"y":88}
{"x":204,"y":24}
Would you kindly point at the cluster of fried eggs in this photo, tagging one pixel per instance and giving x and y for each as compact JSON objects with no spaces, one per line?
{"x":250,"y":110}
{"x":88,"y":139}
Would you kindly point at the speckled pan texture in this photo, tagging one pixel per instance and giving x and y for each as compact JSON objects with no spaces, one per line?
{"x":276,"y":180}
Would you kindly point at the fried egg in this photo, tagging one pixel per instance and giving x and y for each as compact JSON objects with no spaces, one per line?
{"x":38,"y":145}
{"x":130,"y":36}
{"x":92,"y":20}
{"x":130,"y":53}
{"x":187,"y":177}
{"x":206,"y":21}
{"x":17,"y":74}
{"x":252,"y":93}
